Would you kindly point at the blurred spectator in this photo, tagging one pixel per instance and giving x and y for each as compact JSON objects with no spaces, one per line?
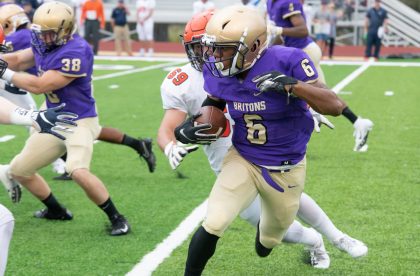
{"x":376,"y":24}
{"x":348,"y":10}
{"x":77,"y":6}
{"x":34,"y":3}
{"x":202,"y":5}
{"x":29,"y":10}
{"x":309,"y":15}
{"x":93,"y":18}
{"x":322,"y":24}
{"x":145,"y":22}
{"x":120,"y":27}
{"x":334,"y":16}
{"x":260,"y":5}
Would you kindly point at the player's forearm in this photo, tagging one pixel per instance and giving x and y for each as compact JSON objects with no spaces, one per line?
{"x":15,"y":63}
{"x":299,"y":31}
{"x":322,"y":100}
{"x":30,"y":83}
{"x":12,"y":114}
{"x":165,"y":136}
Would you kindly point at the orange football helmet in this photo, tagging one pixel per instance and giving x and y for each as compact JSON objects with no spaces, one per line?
{"x":3,"y":48}
{"x":193,"y":32}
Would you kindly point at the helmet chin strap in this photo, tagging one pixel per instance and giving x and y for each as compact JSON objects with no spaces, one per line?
{"x":233,"y":69}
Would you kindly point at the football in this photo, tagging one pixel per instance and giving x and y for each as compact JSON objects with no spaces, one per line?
{"x":214,"y":116}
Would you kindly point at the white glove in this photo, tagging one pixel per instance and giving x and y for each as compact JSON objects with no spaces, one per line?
{"x":12,"y":186}
{"x":319,"y":120}
{"x":361,"y":131}
{"x":273,"y":31}
{"x":177,"y":152}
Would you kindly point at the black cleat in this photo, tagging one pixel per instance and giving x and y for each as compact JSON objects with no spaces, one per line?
{"x":64,"y":177}
{"x":46,"y":214}
{"x":119,"y":226}
{"x":262,"y":251}
{"x":145,"y":151}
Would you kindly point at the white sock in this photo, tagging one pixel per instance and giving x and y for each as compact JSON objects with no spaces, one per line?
{"x":297,"y":233}
{"x":310,"y":212}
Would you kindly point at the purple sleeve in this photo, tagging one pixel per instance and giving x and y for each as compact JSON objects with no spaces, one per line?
{"x":302,"y":67}
{"x":70,"y":63}
{"x":289,"y":8}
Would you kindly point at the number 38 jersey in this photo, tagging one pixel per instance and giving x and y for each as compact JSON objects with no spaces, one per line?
{"x":270,"y":130}
{"x":73,"y":59}
{"x":183,"y":90}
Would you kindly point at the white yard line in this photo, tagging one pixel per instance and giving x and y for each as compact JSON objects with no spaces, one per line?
{"x":153,"y":259}
{"x":143,"y":69}
{"x":339,"y":86}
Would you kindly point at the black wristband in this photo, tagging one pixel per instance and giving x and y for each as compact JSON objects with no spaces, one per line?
{"x":349,"y":114}
{"x":212,"y":102}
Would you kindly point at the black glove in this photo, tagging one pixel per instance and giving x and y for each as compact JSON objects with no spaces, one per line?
{"x":274,"y":81}
{"x":50,"y":120}
{"x":3,"y":67}
{"x":190,"y":133}
{"x":14,"y":90}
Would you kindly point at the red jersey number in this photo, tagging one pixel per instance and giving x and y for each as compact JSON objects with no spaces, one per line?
{"x":177,"y":76}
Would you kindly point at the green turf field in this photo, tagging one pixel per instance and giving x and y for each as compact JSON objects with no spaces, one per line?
{"x":373,"y":196}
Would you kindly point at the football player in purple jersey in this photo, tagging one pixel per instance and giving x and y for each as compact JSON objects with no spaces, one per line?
{"x":267,"y":91}
{"x":18,"y":37}
{"x":64,"y":64}
{"x":290,"y":24}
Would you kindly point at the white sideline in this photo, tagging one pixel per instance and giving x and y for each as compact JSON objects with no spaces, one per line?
{"x":339,"y":86}
{"x":153,"y":259}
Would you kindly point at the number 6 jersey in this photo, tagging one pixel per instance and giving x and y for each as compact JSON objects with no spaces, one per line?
{"x":270,"y":130}
{"x":73,"y":59}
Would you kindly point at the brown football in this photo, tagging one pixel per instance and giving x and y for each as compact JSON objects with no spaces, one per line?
{"x":214,"y":116}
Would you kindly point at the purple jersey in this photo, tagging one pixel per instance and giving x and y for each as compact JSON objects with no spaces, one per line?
{"x":268,"y":131}
{"x":19,"y":40}
{"x":280,"y":11}
{"x":73,"y":59}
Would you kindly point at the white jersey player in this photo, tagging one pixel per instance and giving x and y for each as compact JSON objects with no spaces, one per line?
{"x":182,"y":95}
{"x":13,"y":114}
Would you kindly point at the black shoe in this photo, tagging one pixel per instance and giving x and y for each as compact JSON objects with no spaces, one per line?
{"x":65,"y":176}
{"x":119,"y":226}
{"x":145,"y":151}
{"x":46,"y":214}
{"x":262,"y":251}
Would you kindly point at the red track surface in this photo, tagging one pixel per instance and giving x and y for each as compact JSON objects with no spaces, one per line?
{"x":340,"y":51}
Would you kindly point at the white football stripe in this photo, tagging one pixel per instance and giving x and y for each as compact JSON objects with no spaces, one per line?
{"x":153,"y":259}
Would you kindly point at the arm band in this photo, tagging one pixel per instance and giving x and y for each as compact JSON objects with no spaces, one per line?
{"x":216,"y":103}
{"x":8,"y":75}
{"x":349,"y":114}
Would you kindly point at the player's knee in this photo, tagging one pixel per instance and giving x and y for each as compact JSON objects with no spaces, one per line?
{"x":19,"y":169}
{"x":216,"y":225}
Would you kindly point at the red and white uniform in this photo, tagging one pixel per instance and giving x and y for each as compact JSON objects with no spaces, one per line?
{"x":183,"y":90}
{"x":144,"y":24}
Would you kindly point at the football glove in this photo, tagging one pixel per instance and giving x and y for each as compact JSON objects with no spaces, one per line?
{"x":51,"y":120}
{"x":319,"y":120}
{"x":362,"y":127}
{"x":3,"y":67}
{"x":273,"y":81}
{"x":176,"y":153}
{"x":190,"y":132}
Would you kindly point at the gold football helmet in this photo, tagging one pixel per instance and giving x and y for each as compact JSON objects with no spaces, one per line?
{"x":235,"y":36}
{"x":11,"y":17}
{"x":53,"y":25}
